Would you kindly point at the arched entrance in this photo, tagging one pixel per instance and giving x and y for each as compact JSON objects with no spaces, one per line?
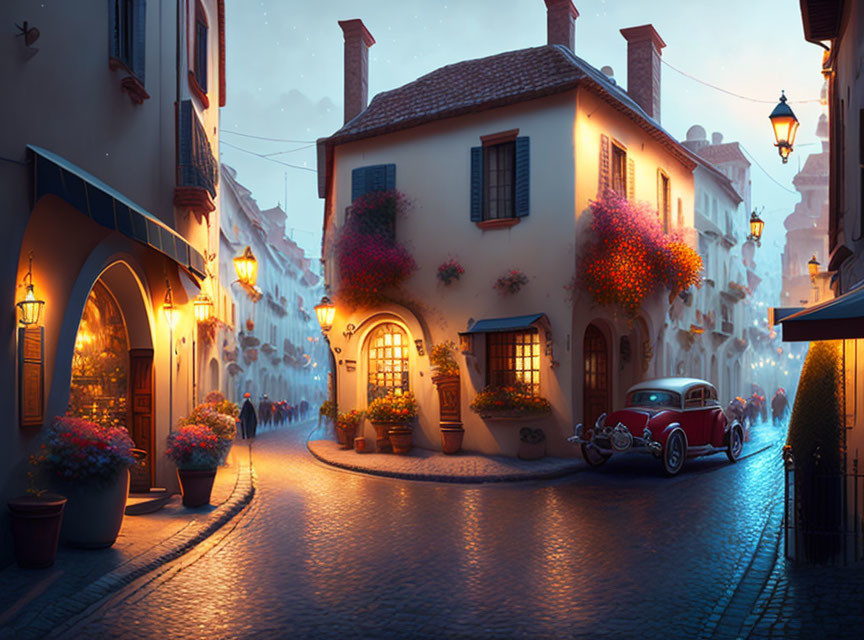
{"x":112,"y":364}
{"x":596,"y":396}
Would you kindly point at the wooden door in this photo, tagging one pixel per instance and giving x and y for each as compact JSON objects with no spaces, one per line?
{"x":597,"y":395}
{"x":140,"y":423}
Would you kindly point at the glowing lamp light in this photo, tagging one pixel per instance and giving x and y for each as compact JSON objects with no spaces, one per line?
{"x":756,"y":226}
{"x":785,"y":127}
{"x":813,"y":266}
{"x":30,"y":306}
{"x":326,"y":311}
{"x":247,"y":268}
{"x":202,"y":306}
{"x":168,"y":308}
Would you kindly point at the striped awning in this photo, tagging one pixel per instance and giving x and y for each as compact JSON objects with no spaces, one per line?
{"x":54,"y":175}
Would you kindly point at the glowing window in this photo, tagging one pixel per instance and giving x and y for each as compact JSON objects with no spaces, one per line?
{"x":513,"y":356}
{"x":387,"y":352}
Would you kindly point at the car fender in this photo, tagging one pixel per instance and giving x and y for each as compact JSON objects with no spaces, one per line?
{"x":667,"y":430}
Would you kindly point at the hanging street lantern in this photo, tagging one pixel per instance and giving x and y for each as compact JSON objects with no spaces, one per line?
{"x":813,"y":266}
{"x":756,"y":226}
{"x":785,"y":127}
{"x":202,"y":306}
{"x":247,"y":268}
{"x":326,"y":311}
{"x":31,"y":308}
{"x":168,"y":308}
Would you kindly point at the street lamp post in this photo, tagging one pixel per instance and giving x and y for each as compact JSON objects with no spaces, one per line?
{"x":813,"y":268}
{"x":326,"y":312}
{"x":170,"y":312}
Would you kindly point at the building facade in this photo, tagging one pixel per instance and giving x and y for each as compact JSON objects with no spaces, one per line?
{"x":271,"y":345}
{"x":500,"y":174}
{"x":110,"y":184}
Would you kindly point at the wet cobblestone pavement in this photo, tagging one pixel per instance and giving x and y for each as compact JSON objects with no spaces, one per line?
{"x":621,"y":552}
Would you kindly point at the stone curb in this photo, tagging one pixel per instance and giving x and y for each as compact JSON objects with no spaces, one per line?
{"x":57,"y":617}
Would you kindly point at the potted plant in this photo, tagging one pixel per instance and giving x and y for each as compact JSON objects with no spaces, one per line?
{"x":36,"y":518}
{"x":224,"y":425}
{"x":89,"y":464}
{"x":532,"y":444}
{"x":346,"y":427}
{"x":515,"y":401}
{"x":394,"y":412}
{"x":510,"y":283}
{"x":450,"y":271}
{"x":195,"y":449}
{"x":446,"y":380}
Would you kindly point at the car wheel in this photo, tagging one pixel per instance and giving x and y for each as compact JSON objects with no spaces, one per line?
{"x":736,"y":443}
{"x":593,"y":457}
{"x":674,"y":452}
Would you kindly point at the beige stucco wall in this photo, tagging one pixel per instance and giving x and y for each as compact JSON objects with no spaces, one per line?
{"x":433,"y":170}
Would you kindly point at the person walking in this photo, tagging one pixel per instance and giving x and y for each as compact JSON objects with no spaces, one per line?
{"x":248,"y":419}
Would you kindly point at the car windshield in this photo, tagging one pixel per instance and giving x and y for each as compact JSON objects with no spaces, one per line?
{"x":654,"y":398}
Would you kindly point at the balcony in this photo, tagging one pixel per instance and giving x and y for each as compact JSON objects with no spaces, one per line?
{"x":197,"y":168}
{"x":727,"y":327}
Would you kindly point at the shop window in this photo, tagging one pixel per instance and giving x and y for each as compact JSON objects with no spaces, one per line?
{"x":100,"y":362}
{"x":513,"y":356}
{"x":387,"y":353}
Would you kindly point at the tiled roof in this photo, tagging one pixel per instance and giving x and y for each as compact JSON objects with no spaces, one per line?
{"x":720,"y":153}
{"x":487,"y":83}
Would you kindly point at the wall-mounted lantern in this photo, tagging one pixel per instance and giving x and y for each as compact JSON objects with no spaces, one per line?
{"x":246,"y":266}
{"x":168,"y":307}
{"x":326,"y":311}
{"x":202,"y":306}
{"x":813,"y":266}
{"x":31,"y":308}
{"x":756,"y":226}
{"x":785,"y":127}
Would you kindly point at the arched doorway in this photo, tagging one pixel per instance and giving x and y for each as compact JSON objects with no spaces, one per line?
{"x":596,"y":389}
{"x":111,"y":380}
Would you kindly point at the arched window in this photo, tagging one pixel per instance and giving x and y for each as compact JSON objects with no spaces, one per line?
{"x":387,"y":353}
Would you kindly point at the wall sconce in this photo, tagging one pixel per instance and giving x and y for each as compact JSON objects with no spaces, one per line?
{"x":325,"y":311}
{"x":813,"y":267}
{"x":349,"y":331}
{"x":168,"y":307}
{"x":246,"y":266}
{"x":202,"y":306}
{"x":419,"y":344}
{"x":466,"y":343}
{"x":31,"y":34}
{"x":31,"y":308}
{"x":756,"y":226}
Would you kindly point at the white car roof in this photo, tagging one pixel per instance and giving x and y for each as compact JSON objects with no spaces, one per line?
{"x":678,"y":385}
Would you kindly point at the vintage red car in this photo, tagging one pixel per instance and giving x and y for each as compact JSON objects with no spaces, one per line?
{"x":671,"y":418}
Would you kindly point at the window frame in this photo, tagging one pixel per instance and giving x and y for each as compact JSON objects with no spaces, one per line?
{"x":664,"y":199}
{"x":497,"y":141}
{"x":368,"y":360}
{"x":197,"y":58}
{"x":618,"y":151}
{"x":493,"y":359}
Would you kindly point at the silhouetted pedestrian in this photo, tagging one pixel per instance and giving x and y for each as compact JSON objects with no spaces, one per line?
{"x":248,"y":419}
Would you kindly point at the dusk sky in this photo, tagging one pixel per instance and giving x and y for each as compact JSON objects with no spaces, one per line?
{"x":285,"y":78}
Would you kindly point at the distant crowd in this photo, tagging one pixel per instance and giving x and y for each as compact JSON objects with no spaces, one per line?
{"x":749,"y":411}
{"x":269,"y":413}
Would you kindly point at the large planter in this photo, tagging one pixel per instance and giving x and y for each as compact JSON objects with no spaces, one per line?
{"x":401,"y":439}
{"x":196,"y":485}
{"x":451,"y":439}
{"x":36,"y":528}
{"x":94,"y":511}
{"x":449,"y":398}
{"x":346,"y":436}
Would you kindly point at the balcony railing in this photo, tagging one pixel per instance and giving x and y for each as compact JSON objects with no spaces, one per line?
{"x":197,"y":168}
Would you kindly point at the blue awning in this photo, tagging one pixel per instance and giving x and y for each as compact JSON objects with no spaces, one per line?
{"x":516,"y":323}
{"x":835,"y":319}
{"x":54,"y":175}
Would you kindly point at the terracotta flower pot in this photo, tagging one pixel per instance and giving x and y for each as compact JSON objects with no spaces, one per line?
{"x":346,"y":436}
{"x":451,"y":439}
{"x":401,"y":439}
{"x":36,"y":528}
{"x":94,"y":512}
{"x":196,"y":485}
{"x":360,"y":445}
{"x":382,"y":440}
{"x":531,"y":450}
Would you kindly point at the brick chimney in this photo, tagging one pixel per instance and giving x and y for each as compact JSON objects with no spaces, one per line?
{"x":643,"y":67}
{"x":561,"y":23}
{"x":357,"y":43}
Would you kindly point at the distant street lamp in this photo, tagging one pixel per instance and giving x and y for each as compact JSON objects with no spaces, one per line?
{"x":326,"y":311}
{"x":813,"y":266}
{"x":31,"y":308}
{"x":247,"y":268}
{"x":202,"y":306}
{"x":785,"y":127}
{"x":756,"y":226}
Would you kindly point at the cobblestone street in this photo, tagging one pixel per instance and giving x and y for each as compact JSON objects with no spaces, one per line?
{"x":328,"y":553}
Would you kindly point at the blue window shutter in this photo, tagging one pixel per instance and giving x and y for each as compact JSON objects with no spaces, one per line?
{"x":390,"y":181}
{"x":113,"y":34}
{"x":476,"y":184}
{"x":139,"y":38}
{"x":522,"y":177}
{"x":358,"y":183}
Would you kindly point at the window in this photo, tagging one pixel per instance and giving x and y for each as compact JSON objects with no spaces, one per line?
{"x":693,"y":399}
{"x":654,"y":398}
{"x":122,"y":30}
{"x":619,"y":170}
{"x":499,"y":179}
{"x":499,"y":168}
{"x":126,"y":25}
{"x":379,"y":177}
{"x":664,"y":199}
{"x":201,"y":48}
{"x":513,"y":356}
{"x":387,"y":353}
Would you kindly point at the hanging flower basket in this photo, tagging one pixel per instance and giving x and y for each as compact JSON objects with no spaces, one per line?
{"x":510,"y":283}
{"x":450,"y":271}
